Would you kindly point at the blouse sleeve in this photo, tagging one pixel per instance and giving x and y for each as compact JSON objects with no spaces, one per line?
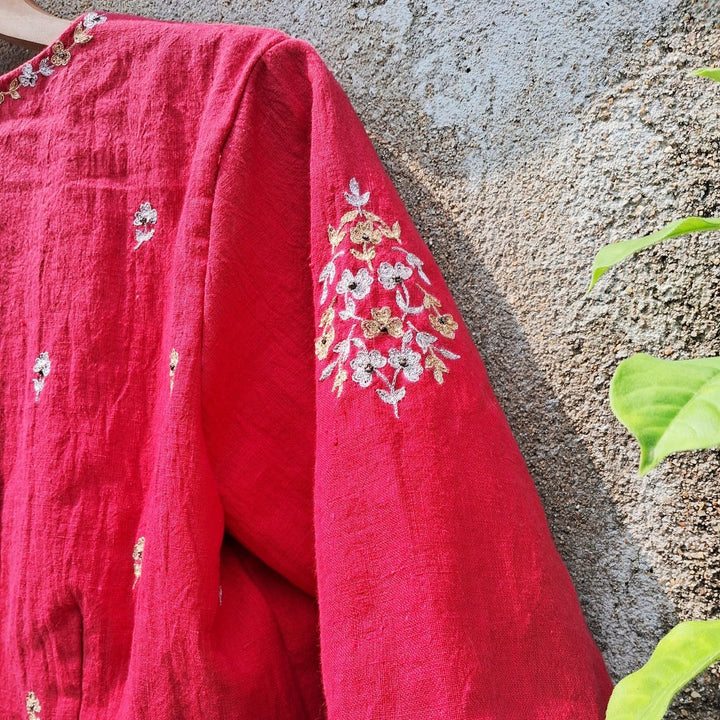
{"x":359,"y":447}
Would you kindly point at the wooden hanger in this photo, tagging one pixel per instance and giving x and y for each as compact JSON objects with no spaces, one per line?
{"x":23,"y":23}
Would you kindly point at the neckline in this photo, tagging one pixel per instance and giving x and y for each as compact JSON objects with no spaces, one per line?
{"x":66,"y":37}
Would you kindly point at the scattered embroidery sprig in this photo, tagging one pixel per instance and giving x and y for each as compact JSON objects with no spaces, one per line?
{"x":368,"y":231}
{"x":173,"y":364}
{"x":60,"y":56}
{"x":146,"y":215}
{"x":137,"y":556}
{"x":42,"y":367}
{"x":32,"y":706}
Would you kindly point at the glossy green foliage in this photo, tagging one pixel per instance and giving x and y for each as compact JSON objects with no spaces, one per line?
{"x":668,"y":405}
{"x":686,"y":651}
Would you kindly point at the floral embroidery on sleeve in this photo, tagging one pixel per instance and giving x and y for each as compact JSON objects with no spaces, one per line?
{"x":393,"y":368}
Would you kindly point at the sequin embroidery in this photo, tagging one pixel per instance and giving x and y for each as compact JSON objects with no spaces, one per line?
{"x":388,"y":366}
{"x":60,"y":56}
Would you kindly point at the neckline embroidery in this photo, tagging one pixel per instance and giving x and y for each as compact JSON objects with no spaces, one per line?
{"x":56,"y":54}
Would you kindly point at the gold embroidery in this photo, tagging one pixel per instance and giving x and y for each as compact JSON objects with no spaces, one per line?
{"x":60,"y":56}
{"x":137,"y":555}
{"x":32,"y":706}
{"x":444,"y":324}
{"x":173,"y":364}
{"x":389,"y":367}
{"x":382,"y":323}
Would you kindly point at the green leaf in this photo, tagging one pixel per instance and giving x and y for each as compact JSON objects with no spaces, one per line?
{"x":668,"y":405}
{"x":612,"y":254}
{"x":687,"y":650}
{"x":708,"y":72}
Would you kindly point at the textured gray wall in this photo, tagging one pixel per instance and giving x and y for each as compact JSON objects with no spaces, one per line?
{"x":523,"y":136}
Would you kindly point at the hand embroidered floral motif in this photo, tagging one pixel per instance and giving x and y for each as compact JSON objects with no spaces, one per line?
{"x":137,"y":555}
{"x":146,"y":215}
{"x":173,"y":364}
{"x":42,"y":367}
{"x":60,"y":57}
{"x":369,"y":364}
{"x":32,"y":706}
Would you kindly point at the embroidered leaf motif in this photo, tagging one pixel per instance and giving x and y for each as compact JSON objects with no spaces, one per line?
{"x":328,"y":370}
{"x":393,"y":368}
{"x":12,"y":90}
{"x":45,"y":68}
{"x":447,"y":353}
{"x":354,"y":197}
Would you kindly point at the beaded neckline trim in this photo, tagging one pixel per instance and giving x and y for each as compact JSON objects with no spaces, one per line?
{"x":60,"y":56}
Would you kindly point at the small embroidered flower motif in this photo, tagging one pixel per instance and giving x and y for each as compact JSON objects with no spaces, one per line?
{"x":42,"y":367}
{"x":137,"y":555}
{"x":390,"y":275}
{"x":146,"y":215}
{"x":173,"y":364}
{"x":367,"y":234}
{"x":358,"y":284}
{"x":365,"y":363}
{"x":364,"y":233}
{"x":28,"y":76}
{"x":32,"y":706}
{"x":60,"y":54}
{"x":444,"y":324}
{"x":406,"y":360}
{"x":382,"y":323}
{"x":220,"y":594}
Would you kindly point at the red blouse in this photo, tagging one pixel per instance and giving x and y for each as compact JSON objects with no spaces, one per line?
{"x":251,"y":463}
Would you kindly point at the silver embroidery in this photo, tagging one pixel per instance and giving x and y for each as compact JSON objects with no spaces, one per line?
{"x":92,"y":19}
{"x":42,"y":367}
{"x":146,"y":215}
{"x":137,"y":558}
{"x":32,"y":706}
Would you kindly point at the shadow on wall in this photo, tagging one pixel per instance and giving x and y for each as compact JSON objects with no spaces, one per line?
{"x":627,"y":610}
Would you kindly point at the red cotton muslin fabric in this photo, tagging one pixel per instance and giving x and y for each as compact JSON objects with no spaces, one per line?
{"x":251,"y":465}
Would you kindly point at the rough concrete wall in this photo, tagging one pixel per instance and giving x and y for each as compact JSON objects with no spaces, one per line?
{"x":523,"y":136}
